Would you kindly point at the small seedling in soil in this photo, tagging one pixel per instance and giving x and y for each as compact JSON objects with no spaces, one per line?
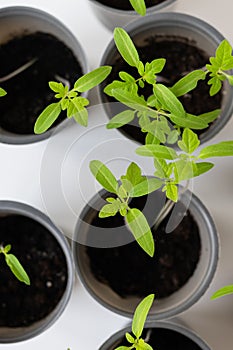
{"x":70,"y":100}
{"x":14,"y":265}
{"x":139,"y":318}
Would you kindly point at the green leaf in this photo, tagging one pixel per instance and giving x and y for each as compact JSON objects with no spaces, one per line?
{"x":108,"y":210}
{"x":147,"y":347}
{"x":17,"y":268}
{"x":215,"y":85}
{"x":92,"y":79}
{"x":7,"y":248}
{"x":172,"y":137}
{"x":140,"y":229}
{"x":161,"y":168}
{"x":104,"y":176}
{"x":140,"y":315}
{"x":188,"y":83}
{"x":221,"y":149}
{"x":80,"y":112}
{"x":190,"y":121}
{"x":223,"y":52}
{"x":223,"y":291}
{"x":47,"y":118}
{"x":126,"y":47}
{"x":189,"y":142}
{"x":183,"y":170}
{"x":171,"y":191}
{"x":57,"y":87}
{"x":121,"y":119}
{"x":2,"y":92}
{"x":157,"y":151}
{"x":168,"y":100}
{"x":145,"y":187}
{"x":210,"y":116}
{"x":134,"y":174}
{"x":201,"y":168}
{"x":129,"y":338}
{"x":151,"y":139}
{"x":130,"y":100}
{"x":139,"y":6}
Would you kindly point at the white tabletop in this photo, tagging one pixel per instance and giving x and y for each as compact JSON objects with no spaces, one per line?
{"x":29,"y":174}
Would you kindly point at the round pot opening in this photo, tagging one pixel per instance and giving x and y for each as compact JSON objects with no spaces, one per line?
{"x":26,"y":311}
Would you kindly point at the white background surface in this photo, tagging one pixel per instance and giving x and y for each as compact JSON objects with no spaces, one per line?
{"x":24,"y":169}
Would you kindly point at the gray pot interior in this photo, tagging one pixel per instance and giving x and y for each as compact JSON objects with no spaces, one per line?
{"x":13,"y":335}
{"x":165,"y":307}
{"x":175,"y":326}
{"x":19,"y":19}
{"x":111,"y":17}
{"x":203,"y":35}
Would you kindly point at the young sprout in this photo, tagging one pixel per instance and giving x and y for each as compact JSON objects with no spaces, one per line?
{"x":156,"y":112}
{"x":70,"y":100}
{"x":139,"y":6}
{"x":222,"y":292}
{"x":14,"y":264}
{"x":139,"y":318}
{"x":2,"y":92}
{"x":171,"y":168}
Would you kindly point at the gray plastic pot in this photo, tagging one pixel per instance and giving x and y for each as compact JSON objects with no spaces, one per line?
{"x":195,"y":30}
{"x":86,"y":234}
{"x":17,"y":334}
{"x":111,"y":17}
{"x":168,"y":326}
{"x":17,"y":19}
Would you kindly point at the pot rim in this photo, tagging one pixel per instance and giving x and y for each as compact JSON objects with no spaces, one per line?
{"x":197,"y":205}
{"x":15,"y":207}
{"x":171,"y":325}
{"x":33,"y":12}
{"x":180,"y":20}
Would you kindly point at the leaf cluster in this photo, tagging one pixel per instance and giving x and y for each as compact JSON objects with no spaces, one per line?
{"x":14,"y":265}
{"x":70,"y":100}
{"x":218,"y":67}
{"x":132,"y":184}
{"x":155,"y":113}
{"x":139,"y":318}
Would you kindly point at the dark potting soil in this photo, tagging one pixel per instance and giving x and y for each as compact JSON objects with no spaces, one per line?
{"x":28,"y":93}
{"x":43,"y":259}
{"x":125,"y":4}
{"x":164,"y":339}
{"x":181,"y":56}
{"x":129,"y":271}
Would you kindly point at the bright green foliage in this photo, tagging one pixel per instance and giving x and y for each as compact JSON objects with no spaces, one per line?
{"x":163,"y":106}
{"x":139,"y":319}
{"x":139,"y":6}
{"x":131,"y":185}
{"x":173,"y":167}
{"x":14,"y":264}
{"x":223,"y":291}
{"x":70,"y":100}
{"x":218,"y":67}
{"x":2,"y":92}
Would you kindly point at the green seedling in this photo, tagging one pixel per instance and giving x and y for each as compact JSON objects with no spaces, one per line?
{"x":222,"y":292}
{"x":139,"y":6}
{"x":2,"y":92}
{"x":70,"y":100}
{"x":171,"y":168}
{"x":163,"y":107}
{"x":138,"y":323}
{"x":14,"y":265}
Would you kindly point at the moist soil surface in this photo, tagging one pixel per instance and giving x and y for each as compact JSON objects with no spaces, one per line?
{"x":129,"y":271}
{"x":43,"y":259}
{"x":28,"y":93}
{"x":164,"y":339}
{"x":182,"y":56}
{"x":125,"y":4}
